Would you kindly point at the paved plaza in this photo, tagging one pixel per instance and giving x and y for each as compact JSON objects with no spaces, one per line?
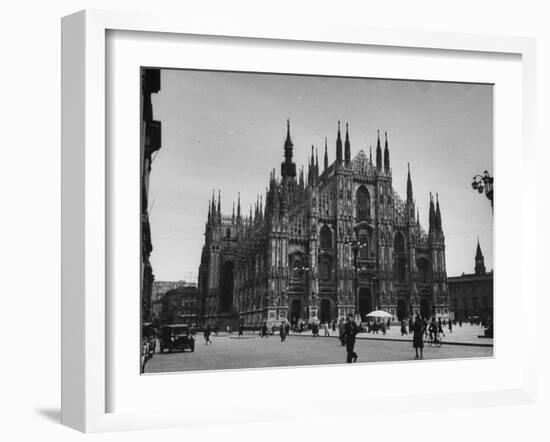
{"x":251,"y":351}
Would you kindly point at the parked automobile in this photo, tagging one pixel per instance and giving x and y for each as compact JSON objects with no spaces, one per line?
{"x":176,"y":337}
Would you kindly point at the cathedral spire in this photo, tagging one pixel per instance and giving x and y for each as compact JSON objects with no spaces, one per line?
{"x":370,"y":155}
{"x":239,"y":207}
{"x":432,"y":214}
{"x":288,"y":168}
{"x":479,"y":260}
{"x":339,"y":146}
{"x":437,"y":214}
{"x":213,"y":205}
{"x":219,"y":205}
{"x":386,"y":154}
{"x":378,"y":154}
{"x":326,"y":155}
{"x":233,"y":216}
{"x":261,"y":208}
{"x":316,"y":163}
{"x":347,"y":152}
{"x":409,"y":185}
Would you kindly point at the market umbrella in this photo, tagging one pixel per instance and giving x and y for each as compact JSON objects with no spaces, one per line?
{"x":379,"y":314}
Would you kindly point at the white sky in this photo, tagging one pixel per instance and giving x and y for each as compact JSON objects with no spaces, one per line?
{"x":226,"y":131}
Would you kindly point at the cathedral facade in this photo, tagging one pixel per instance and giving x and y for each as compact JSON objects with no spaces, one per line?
{"x":334,"y":242}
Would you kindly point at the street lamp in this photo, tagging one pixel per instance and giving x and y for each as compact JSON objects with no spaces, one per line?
{"x":484,"y":183}
{"x":356,"y":245}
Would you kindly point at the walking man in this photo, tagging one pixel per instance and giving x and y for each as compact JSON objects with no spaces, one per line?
{"x":207,"y":333}
{"x":418,"y":336}
{"x":282,"y":331}
{"x":350,"y":331}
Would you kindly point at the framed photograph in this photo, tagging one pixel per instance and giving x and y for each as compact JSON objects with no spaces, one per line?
{"x":256,"y":214}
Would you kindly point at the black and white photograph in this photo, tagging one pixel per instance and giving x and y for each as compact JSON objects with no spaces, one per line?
{"x":300,"y":220}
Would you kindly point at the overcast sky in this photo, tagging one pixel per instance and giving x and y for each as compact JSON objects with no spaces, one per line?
{"x":226,"y":131}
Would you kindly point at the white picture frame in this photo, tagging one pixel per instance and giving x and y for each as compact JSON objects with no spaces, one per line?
{"x":86,"y":207}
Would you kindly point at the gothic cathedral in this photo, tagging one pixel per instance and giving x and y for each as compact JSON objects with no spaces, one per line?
{"x":338,"y":241}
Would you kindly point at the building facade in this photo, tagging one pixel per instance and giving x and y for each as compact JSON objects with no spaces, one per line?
{"x":179,"y":305}
{"x":150,"y":143}
{"x":333,"y":242}
{"x":471,"y":295}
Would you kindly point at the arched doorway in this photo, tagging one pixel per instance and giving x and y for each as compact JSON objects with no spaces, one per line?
{"x":226,"y":298}
{"x":295,"y":311}
{"x":425,"y":310}
{"x":325,"y":311}
{"x":365,"y":302}
{"x":402,"y":309}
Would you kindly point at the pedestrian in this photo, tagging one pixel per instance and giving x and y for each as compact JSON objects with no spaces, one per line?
{"x":403,"y":328}
{"x":325,"y":328}
{"x":440,"y":328}
{"x":334,"y":325}
{"x":282,"y":331}
{"x":207,"y":333}
{"x":383,"y":327}
{"x":388,"y":325}
{"x":418,"y":335}
{"x":315,"y":329}
{"x":342,"y":332}
{"x":450,"y":326}
{"x":433,"y":331}
{"x":410,"y":325}
{"x":241,"y":327}
{"x":287,"y":329}
{"x":264,"y":330}
{"x":350,"y":331}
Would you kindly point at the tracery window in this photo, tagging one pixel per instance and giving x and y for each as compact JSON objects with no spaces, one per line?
{"x":363,"y":204}
{"x":326,"y":237}
{"x":324,"y":270}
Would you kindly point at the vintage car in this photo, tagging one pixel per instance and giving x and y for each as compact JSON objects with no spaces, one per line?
{"x":176,"y":337}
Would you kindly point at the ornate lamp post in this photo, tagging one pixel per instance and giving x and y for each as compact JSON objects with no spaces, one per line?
{"x":356,"y":245}
{"x":484,"y":183}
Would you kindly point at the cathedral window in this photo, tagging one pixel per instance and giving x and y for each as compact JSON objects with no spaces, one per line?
{"x":399,"y":263}
{"x":326,"y":238}
{"x":423,"y":270}
{"x":398,"y":243}
{"x":324,"y":270}
{"x":363,"y":204}
{"x":227,"y":233}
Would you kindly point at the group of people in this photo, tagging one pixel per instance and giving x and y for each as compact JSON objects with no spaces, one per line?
{"x":422,"y":330}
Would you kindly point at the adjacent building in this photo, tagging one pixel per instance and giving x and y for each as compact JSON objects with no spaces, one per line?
{"x":335,"y":241}
{"x":150,"y":143}
{"x":180,"y":305}
{"x":471,"y":295}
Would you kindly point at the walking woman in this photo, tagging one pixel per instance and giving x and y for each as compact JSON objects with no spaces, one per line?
{"x":418,"y":336}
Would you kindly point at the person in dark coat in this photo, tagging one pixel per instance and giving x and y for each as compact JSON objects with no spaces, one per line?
{"x":350,"y":331}
{"x":207,"y":333}
{"x":418,"y":336}
{"x":450,"y":326}
{"x":264,"y":330}
{"x":282,"y":332}
{"x":411,"y":323}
